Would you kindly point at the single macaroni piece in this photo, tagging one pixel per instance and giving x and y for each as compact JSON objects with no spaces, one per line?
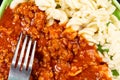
{"x":73,"y":4}
{"x":45,"y":4}
{"x":57,"y":15}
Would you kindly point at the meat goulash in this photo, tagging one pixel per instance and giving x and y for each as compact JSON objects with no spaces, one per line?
{"x":61,"y":54}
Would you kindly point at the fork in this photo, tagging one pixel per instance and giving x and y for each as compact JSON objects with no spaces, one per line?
{"x":21,"y":68}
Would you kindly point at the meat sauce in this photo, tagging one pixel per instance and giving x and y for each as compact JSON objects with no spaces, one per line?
{"x":61,"y":53}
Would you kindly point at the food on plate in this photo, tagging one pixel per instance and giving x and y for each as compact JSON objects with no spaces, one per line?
{"x":76,"y":39}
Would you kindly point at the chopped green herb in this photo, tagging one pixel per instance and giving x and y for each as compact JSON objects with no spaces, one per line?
{"x":106,"y":50}
{"x":101,"y":49}
{"x":108,"y":23}
{"x":111,"y":57}
{"x":58,"y":6}
{"x":115,"y":72}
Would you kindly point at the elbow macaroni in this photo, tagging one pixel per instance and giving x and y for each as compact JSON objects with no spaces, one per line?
{"x":81,"y":12}
{"x":57,"y":15}
{"x":45,"y":4}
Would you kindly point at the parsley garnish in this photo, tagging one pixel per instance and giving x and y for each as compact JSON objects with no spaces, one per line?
{"x":101,"y":49}
{"x":111,"y":57}
{"x":108,"y":23}
{"x":115,"y":72}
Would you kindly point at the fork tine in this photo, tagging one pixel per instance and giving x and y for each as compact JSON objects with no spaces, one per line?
{"x":17,"y":49}
{"x":22,"y":52}
{"x":27,"y":54}
{"x":18,"y":71}
{"x":32,"y":56}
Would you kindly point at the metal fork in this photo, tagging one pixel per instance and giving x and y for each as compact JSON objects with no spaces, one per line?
{"x":18,"y":72}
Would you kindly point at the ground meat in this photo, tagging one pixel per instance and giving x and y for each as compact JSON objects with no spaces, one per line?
{"x":61,"y":53}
